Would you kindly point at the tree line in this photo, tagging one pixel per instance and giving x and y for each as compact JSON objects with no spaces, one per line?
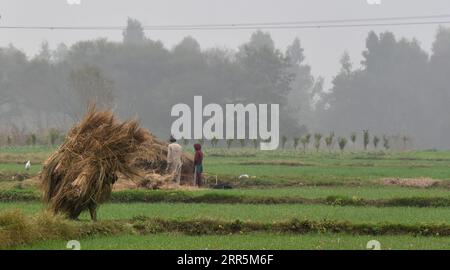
{"x":398,"y":89}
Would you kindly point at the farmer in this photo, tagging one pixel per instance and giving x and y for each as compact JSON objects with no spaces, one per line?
{"x":174,"y":162}
{"x":198,"y":165}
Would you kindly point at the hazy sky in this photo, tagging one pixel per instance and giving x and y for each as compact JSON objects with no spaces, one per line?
{"x":323,"y":47}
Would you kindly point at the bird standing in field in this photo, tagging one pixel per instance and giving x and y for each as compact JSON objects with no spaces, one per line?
{"x":246,"y":176}
{"x":28,"y":165}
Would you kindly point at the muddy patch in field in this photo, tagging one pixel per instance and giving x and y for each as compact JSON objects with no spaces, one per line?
{"x":150,"y":183}
{"x":424,"y":159}
{"x":243,"y":155}
{"x":412,"y":166}
{"x":356,"y":164}
{"x":410,"y":182}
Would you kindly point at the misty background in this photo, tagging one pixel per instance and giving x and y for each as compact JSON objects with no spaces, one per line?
{"x":392,"y":81}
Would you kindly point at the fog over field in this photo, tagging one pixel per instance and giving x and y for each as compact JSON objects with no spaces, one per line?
{"x":390,"y":77}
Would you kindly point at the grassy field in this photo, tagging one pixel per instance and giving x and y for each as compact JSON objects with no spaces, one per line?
{"x":284,"y":167}
{"x":375,"y":192}
{"x":283,"y":185}
{"x":252,"y":212}
{"x":259,"y":241}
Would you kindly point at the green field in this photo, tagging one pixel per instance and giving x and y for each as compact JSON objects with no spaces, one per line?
{"x":374,"y":192}
{"x":282,"y":186}
{"x":267,"y":213}
{"x":257,"y":241}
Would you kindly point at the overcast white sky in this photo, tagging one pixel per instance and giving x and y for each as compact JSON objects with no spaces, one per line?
{"x":323,"y":47}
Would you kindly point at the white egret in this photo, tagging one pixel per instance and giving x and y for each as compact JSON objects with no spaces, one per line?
{"x":28,"y":165}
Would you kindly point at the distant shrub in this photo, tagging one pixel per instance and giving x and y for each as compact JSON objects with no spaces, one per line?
{"x":317,"y":139}
{"x":366,"y":138}
{"x":284,"y":140}
{"x":342,"y":143}
{"x":353,"y":137}
{"x":229,"y":143}
{"x":54,"y":135}
{"x":185,"y":141}
{"x":376,"y":140}
{"x":243,"y":142}
{"x":255,"y":143}
{"x":386,"y":142}
{"x":214,"y":142}
{"x":329,"y":141}
{"x":296,"y":141}
{"x":305,"y":140}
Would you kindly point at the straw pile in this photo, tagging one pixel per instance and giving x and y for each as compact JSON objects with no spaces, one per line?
{"x":80,"y":174}
{"x":155,"y":165}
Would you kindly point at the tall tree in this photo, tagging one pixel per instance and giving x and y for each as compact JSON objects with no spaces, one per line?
{"x":386,"y":94}
{"x":90,"y":86}
{"x":439,"y":86}
{"x":304,"y":86}
{"x":134,"y":32}
{"x":295,"y":53}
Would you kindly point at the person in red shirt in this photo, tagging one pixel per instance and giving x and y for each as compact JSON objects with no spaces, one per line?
{"x":198,"y":165}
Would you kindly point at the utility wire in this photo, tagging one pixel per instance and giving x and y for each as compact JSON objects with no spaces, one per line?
{"x":306,"y":26}
{"x":227,"y":28}
{"x":344,"y":23}
{"x":310,"y":22}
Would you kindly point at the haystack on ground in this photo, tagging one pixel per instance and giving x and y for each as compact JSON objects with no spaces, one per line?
{"x":154,"y":167}
{"x":80,"y":174}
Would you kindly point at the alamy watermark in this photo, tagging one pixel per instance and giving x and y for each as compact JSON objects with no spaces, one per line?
{"x":73,"y":245}
{"x":74,"y":2}
{"x":241,"y":121}
{"x":374,"y":2}
{"x":373,"y":245}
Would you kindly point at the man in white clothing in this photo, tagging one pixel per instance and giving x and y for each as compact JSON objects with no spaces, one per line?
{"x":174,"y":159}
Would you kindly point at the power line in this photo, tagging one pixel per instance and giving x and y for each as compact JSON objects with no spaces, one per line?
{"x":310,"y":21}
{"x":343,"y":23}
{"x":308,"y":26}
{"x":227,"y":28}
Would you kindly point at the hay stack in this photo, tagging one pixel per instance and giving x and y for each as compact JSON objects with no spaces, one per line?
{"x":156,"y":164}
{"x":80,"y":174}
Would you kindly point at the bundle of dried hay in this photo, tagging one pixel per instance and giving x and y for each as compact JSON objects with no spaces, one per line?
{"x":81,"y":172}
{"x":156,"y":164}
{"x":155,"y":181}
